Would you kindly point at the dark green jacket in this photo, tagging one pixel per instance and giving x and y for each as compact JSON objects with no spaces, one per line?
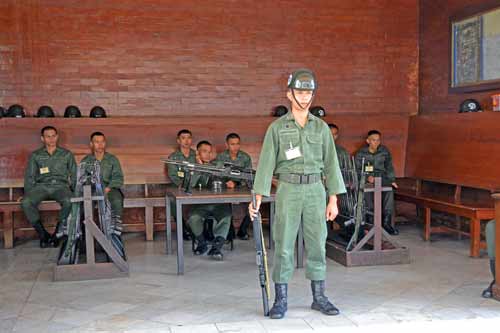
{"x":56,"y":169}
{"x":316,"y":146}
{"x":342,"y":154}
{"x":175,"y":172}
{"x":111,"y":170}
{"x":381,"y":161}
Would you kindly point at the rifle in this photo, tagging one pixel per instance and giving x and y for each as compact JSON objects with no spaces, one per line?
{"x":230,"y":170}
{"x":359,"y":208}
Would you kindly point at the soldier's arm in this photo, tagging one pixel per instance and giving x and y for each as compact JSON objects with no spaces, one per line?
{"x":267,"y":163}
{"x":72,"y":167}
{"x":334,"y":181}
{"x":389,"y":167}
{"x":29,"y":175}
{"x":116,"y":175}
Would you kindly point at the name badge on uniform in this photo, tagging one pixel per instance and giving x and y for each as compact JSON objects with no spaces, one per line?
{"x":292,"y":152}
{"x":180,"y":174}
{"x":44,"y":170}
{"x":369,"y":168}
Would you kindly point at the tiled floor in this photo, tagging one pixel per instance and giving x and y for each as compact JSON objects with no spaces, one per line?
{"x":440,"y":289}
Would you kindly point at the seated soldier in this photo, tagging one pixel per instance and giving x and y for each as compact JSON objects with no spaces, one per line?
{"x":378,"y":163}
{"x":50,"y":175}
{"x":175,"y":173}
{"x":233,"y":154}
{"x":490,"y":242}
{"x":220,"y":212}
{"x":111,"y":172}
{"x":342,"y":153}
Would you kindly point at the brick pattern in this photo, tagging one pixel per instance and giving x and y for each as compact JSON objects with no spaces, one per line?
{"x":435,"y":53}
{"x":218,"y":57}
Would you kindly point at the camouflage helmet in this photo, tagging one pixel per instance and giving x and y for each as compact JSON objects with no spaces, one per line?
{"x":15,"y":111}
{"x":318,"y":111}
{"x":97,"y":112}
{"x":302,"y":79}
{"x":72,"y":111}
{"x":45,"y":111}
{"x":280,"y":110}
{"x":470,"y":105}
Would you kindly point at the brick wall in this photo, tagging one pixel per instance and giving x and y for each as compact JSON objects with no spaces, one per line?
{"x":216,"y":57}
{"x":434,"y":56}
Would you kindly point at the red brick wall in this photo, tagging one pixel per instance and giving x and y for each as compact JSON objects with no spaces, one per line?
{"x":215,"y":57}
{"x":434,"y":56}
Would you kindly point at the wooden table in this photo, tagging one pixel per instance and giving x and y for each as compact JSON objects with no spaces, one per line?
{"x":205,"y":196}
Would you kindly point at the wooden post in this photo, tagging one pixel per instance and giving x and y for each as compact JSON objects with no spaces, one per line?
{"x":496,"y":286}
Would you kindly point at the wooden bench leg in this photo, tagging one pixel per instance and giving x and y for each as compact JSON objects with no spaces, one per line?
{"x":8,"y":229}
{"x":149,"y":222}
{"x":427,"y":224}
{"x":475,"y":237}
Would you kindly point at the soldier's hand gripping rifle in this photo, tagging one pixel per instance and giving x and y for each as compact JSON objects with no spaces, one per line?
{"x":230,"y":170}
{"x":359,"y":214}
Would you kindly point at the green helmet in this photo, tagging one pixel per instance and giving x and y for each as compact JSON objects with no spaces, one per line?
{"x":72,"y":112}
{"x":45,"y":111}
{"x":97,"y":112}
{"x":15,"y":111}
{"x":302,"y":79}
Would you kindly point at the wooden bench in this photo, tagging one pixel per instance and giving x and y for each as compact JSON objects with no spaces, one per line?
{"x":453,"y":161}
{"x":475,"y":211}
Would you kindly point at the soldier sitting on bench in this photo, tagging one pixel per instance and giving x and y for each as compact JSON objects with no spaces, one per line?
{"x":50,"y":175}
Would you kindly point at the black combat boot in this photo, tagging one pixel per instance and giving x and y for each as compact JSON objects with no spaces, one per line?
{"x":280,"y":305}
{"x":387,"y":224}
{"x":488,"y":292}
{"x":216,"y":250}
{"x":202,"y":246}
{"x":42,"y":234}
{"x":320,"y":301}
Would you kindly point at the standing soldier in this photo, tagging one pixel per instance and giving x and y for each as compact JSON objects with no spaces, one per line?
{"x":50,"y":175}
{"x":378,"y":163}
{"x":184,"y":152}
{"x":233,"y":154}
{"x":299,"y":149}
{"x":111,"y":172}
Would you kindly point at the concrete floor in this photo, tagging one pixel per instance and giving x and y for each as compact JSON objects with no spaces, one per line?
{"x":439,"y":290}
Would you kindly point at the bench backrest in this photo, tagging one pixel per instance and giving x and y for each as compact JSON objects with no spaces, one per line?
{"x":460,"y":149}
{"x":139,"y":143}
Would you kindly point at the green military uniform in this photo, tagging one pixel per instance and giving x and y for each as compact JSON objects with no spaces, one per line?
{"x":112,"y":177}
{"x":378,"y":164}
{"x":175,"y":173}
{"x":221,"y":212}
{"x":242,"y":160}
{"x":342,"y":153}
{"x":299,"y":198}
{"x":490,"y":238}
{"x":48,"y":177}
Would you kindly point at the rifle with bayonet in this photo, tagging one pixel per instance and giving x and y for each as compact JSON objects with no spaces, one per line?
{"x":359,"y":214}
{"x":229,"y":170}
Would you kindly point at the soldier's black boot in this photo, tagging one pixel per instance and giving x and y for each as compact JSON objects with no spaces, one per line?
{"x":488,"y":292}
{"x":202,"y":246}
{"x":280,"y":305}
{"x":387,"y":224}
{"x":216,"y":250}
{"x":42,"y":234}
{"x":320,"y":301}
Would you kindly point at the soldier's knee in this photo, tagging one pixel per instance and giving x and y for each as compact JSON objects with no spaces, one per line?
{"x":27,"y":203}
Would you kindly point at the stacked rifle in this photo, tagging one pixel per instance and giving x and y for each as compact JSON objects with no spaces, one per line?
{"x":71,"y":229}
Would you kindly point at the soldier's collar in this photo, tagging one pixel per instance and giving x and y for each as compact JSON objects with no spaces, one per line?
{"x":289,"y":116}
